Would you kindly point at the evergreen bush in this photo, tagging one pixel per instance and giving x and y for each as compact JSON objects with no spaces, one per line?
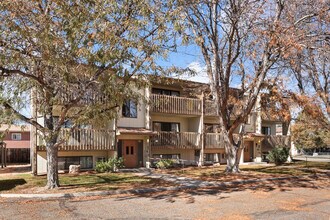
{"x":278,"y":155}
{"x":111,"y":165}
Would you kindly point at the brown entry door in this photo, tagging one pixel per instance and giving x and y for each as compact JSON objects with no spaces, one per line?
{"x":248,"y":151}
{"x":130,"y":153}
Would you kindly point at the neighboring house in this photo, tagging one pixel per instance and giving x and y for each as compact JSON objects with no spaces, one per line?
{"x":177,"y":122}
{"x":17,"y":139}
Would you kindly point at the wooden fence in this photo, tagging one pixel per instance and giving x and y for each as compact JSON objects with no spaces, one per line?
{"x":18,"y":155}
{"x":3,"y":156}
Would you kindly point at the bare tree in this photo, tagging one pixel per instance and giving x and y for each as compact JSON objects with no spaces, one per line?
{"x":240,"y":41}
{"x":309,"y":62}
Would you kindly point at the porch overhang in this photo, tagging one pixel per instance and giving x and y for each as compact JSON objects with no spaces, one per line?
{"x":254,"y":136}
{"x":135,"y":131}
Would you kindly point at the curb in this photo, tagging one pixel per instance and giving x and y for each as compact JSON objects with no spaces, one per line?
{"x":96,"y":193}
{"x":148,"y":190}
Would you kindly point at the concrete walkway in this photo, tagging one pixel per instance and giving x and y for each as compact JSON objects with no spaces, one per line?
{"x":320,"y":158}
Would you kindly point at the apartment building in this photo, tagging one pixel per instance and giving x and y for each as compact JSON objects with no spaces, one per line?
{"x":17,"y":140}
{"x":176,"y":122}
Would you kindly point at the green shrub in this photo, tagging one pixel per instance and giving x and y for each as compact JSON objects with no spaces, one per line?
{"x":111,"y":165}
{"x":278,"y":155}
{"x":165,"y":164}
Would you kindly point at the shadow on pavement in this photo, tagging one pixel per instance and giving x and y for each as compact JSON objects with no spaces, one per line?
{"x":307,"y":182}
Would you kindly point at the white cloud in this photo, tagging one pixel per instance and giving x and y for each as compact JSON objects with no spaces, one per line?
{"x":201,"y":75}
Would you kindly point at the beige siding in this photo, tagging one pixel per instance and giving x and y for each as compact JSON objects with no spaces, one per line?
{"x":194,"y":124}
{"x":213,"y":120}
{"x":250,"y":126}
{"x":42,"y":164}
{"x":138,"y":122}
{"x":214,"y":151}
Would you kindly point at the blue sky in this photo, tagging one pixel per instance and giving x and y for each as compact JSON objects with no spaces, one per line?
{"x":187,"y":56}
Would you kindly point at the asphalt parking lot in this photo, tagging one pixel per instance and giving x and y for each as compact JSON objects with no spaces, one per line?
{"x":281,"y":203}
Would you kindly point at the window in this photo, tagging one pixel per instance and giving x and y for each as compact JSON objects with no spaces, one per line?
{"x":85,"y":162}
{"x":266,"y":130}
{"x":165,"y":92}
{"x":212,"y":128}
{"x":68,"y":124}
{"x":129,"y":109}
{"x":167,"y":156}
{"x":166,"y":126}
{"x":215,"y":157}
{"x":16,"y":136}
{"x":127,"y":150}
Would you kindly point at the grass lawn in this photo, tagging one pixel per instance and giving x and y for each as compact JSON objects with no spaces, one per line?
{"x":251,"y":171}
{"x":26,"y":183}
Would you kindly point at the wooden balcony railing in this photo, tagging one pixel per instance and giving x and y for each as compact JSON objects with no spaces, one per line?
{"x":87,"y":98}
{"x":85,"y":139}
{"x":180,"y":140}
{"x":214,"y":140}
{"x":271,"y":141}
{"x":175,"y":105}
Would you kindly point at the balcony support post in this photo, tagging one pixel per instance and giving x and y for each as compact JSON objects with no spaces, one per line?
{"x":202,"y":132}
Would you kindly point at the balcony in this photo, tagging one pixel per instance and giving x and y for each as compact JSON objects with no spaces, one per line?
{"x":271,"y":141}
{"x":213,"y":140}
{"x":87,"y":98}
{"x":178,"y":140}
{"x":175,"y":105}
{"x":85,"y":139}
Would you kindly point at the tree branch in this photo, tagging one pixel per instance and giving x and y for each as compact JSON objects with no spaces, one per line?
{"x":32,"y":122}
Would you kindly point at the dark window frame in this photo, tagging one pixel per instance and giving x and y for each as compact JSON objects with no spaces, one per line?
{"x":168,"y":92}
{"x":215,"y":127}
{"x":129,"y":109}
{"x":14,"y":136}
{"x":66,"y":165}
{"x":168,"y":123}
{"x":266,"y":130}
{"x":167,"y":156}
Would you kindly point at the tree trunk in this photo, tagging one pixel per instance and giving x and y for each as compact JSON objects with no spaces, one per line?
{"x":232,"y":156}
{"x":232,"y":153}
{"x":232,"y":150}
{"x":52,"y":165}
